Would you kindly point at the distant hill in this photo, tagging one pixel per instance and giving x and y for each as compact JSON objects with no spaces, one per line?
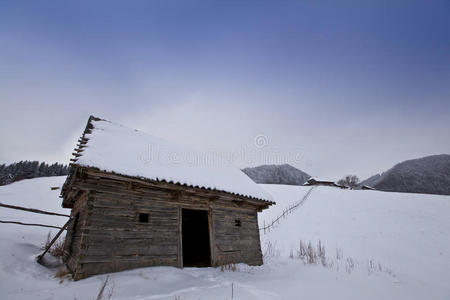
{"x":429,"y":175}
{"x":30,"y":169}
{"x":277,"y":174}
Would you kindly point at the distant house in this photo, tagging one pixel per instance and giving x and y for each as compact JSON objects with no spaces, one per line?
{"x":313,"y":181}
{"x":136,"y":202}
{"x":366,"y":187}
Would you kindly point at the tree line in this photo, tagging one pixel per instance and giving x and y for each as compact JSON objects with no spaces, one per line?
{"x":30,"y":169}
{"x":350,"y":181}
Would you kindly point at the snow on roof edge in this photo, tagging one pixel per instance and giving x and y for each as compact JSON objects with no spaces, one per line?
{"x":270,"y":202}
{"x":106,"y":143}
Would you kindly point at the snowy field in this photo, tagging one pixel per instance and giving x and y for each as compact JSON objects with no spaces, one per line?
{"x":378,"y":246}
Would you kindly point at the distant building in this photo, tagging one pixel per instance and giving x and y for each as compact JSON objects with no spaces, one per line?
{"x":366,"y":187}
{"x":313,"y":181}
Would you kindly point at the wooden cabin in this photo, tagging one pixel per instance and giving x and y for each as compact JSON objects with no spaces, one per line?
{"x":313,"y":181}
{"x":133,"y":209}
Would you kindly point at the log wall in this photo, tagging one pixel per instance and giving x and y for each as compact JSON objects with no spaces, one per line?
{"x":108,"y":237}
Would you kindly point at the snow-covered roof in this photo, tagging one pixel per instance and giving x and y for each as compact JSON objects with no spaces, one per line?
{"x":114,"y":148}
{"x":322,"y":179}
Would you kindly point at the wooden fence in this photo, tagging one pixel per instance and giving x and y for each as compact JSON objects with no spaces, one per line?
{"x":43,"y":212}
{"x":286,"y":212}
{"x":33,"y":210}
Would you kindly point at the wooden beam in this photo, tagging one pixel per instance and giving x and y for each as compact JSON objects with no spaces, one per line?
{"x":53,"y":241}
{"x":33,"y":210}
{"x":180,"y":238}
{"x":29,"y":224}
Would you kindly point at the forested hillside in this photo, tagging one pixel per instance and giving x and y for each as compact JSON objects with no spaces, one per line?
{"x":277,"y":174}
{"x":30,"y":169}
{"x":429,"y":175}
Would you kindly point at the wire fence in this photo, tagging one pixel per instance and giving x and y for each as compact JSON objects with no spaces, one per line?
{"x":285,"y":213}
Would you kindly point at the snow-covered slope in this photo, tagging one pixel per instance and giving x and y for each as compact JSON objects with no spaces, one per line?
{"x":406,"y":235}
{"x":409,"y":234}
{"x":20,"y":276}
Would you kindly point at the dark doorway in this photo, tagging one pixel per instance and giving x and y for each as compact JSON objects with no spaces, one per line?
{"x":195,"y":238}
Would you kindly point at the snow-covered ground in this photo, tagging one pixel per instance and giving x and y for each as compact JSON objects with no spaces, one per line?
{"x":406,"y":237}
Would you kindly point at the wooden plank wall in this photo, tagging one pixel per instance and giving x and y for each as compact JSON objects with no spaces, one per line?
{"x":117,"y":241}
{"x":108,"y":236}
{"x":75,"y":232}
{"x":234,"y":244}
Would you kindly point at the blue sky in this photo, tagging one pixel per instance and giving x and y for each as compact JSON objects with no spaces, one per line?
{"x":353,"y":86}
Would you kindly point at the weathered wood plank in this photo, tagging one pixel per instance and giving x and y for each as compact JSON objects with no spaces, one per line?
{"x":114,"y":265}
{"x":109,"y":236}
{"x":124,"y":249}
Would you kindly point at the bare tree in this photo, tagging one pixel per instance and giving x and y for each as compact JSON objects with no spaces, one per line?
{"x":350,"y":181}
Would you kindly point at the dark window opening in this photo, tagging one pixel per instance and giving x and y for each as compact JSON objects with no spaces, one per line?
{"x":195,"y":238}
{"x":237,"y":223}
{"x":143,"y":218}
